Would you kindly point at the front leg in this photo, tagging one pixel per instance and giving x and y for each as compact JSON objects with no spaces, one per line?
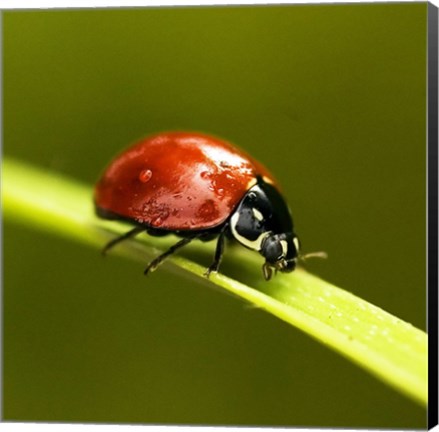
{"x":218,"y":253}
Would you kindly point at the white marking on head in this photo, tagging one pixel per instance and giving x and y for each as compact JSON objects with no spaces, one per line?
{"x":257,"y":214}
{"x":251,"y":244}
{"x":284,"y":245}
{"x":296,"y":243}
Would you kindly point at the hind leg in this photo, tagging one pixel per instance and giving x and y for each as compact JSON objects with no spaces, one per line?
{"x":121,"y":238}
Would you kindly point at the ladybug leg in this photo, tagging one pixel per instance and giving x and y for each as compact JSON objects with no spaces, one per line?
{"x":218,"y":253}
{"x":123,"y":237}
{"x":157,"y":261}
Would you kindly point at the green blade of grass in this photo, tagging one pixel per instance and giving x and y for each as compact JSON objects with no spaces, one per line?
{"x":389,"y":348}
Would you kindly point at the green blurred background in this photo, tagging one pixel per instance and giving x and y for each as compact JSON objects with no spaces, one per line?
{"x":330,"y":97}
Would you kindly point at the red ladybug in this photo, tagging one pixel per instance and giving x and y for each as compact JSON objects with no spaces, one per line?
{"x":198,"y":187}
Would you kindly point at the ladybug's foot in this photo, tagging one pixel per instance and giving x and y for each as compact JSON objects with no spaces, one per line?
{"x":151,"y":267}
{"x":212,"y":269}
{"x":156,"y":262}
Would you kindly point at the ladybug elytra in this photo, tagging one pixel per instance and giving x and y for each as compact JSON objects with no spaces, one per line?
{"x":198,"y":187}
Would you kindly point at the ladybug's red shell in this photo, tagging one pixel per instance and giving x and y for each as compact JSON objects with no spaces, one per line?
{"x":178,"y":181}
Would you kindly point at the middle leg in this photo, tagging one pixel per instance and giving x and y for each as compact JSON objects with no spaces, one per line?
{"x":157,"y":261}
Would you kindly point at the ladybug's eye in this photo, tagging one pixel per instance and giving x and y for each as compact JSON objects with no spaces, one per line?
{"x":296,"y":243}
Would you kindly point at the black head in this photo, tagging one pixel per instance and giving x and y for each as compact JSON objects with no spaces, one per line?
{"x":281,"y":252}
{"x":262,"y":222}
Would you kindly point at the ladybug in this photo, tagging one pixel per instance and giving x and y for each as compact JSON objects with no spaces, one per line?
{"x":198,"y":187}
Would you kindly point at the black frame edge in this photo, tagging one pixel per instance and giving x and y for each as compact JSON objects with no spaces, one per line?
{"x":432,"y":206}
